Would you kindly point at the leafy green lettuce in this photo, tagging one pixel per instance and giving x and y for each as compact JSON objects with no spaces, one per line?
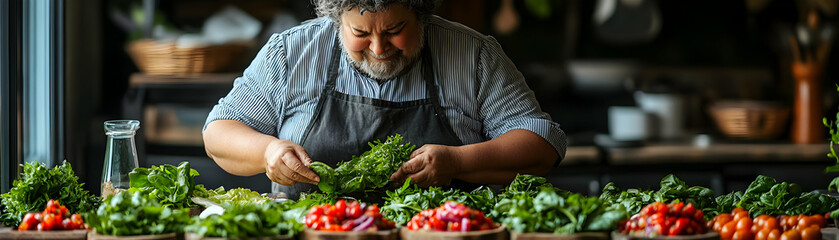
{"x":672,"y":188}
{"x":170,"y":185}
{"x":551,"y":212}
{"x":247,"y":221}
{"x":766,"y":196}
{"x":133,"y":212}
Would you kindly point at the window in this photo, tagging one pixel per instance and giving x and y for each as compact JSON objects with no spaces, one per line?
{"x":31,"y":85}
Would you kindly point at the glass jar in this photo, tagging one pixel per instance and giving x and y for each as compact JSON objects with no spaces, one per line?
{"x":120,"y":155}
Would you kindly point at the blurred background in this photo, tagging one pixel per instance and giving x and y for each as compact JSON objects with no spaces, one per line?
{"x":716,"y":92}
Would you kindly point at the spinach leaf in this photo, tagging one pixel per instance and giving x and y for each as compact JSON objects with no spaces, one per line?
{"x":133,"y":212}
{"x":170,"y":185}
{"x":550,"y":212}
{"x":37,"y":185}
{"x":671,"y":189}
{"x":327,"y":176}
{"x":766,"y":196}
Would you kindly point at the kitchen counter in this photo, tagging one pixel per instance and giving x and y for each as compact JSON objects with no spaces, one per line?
{"x":669,"y":153}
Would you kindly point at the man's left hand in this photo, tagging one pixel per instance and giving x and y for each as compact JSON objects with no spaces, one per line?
{"x":430,"y":165}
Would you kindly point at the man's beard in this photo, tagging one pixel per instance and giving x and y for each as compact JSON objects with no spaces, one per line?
{"x":385,"y":70}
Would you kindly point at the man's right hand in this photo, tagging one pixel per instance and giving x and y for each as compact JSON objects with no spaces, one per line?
{"x":287,"y":163}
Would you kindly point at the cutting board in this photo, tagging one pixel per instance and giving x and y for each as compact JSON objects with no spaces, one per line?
{"x":8,"y":233}
{"x":494,"y":234}
{"x":551,"y":236}
{"x":310,"y":234}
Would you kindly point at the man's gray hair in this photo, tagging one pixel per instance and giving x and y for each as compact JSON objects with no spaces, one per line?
{"x":334,"y":8}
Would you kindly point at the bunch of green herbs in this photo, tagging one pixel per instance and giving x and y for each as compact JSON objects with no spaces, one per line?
{"x":558,"y":212}
{"x":37,"y":185}
{"x":133,"y":212}
{"x":367,"y":172}
{"x":672,"y":189}
{"x":766,"y":196}
{"x":247,"y":221}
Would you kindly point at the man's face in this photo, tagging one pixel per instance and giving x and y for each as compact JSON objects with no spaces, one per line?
{"x":381,"y":44}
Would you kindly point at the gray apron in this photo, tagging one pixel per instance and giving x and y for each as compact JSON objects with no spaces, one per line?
{"x":342,"y":124}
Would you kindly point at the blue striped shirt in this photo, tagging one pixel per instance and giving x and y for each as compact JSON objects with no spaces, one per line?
{"x":482,"y":92}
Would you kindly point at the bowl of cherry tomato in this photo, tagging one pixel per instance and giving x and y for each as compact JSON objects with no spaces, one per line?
{"x":348,"y":220}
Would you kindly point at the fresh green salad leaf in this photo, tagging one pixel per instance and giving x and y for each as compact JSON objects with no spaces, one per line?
{"x":550,"y":212}
{"x":132,"y":212}
{"x":766,"y":196}
{"x":237,"y":196}
{"x":38,"y":185}
{"x":405,"y":202}
{"x":672,"y":188}
{"x":328,"y":183}
{"x":247,"y":221}
{"x":367,"y":172}
{"x":170,"y":185}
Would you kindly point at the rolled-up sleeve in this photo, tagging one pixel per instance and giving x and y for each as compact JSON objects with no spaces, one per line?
{"x":507,"y":102}
{"x":253,"y":99}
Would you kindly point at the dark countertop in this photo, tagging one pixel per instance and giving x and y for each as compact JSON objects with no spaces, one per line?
{"x":670,"y":153}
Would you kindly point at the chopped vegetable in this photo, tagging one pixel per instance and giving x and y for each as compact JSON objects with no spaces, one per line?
{"x":659,"y":219}
{"x":345,"y":217}
{"x":451,"y":217}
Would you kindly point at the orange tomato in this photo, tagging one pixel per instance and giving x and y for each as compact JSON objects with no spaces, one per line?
{"x":728,"y":230}
{"x":741,"y":214}
{"x":724,"y":218}
{"x":774,"y":234}
{"x":743,"y":234}
{"x":791,"y":235}
{"x":744,"y":223}
{"x":811,"y":233}
{"x":804,"y":222}
{"x":818,"y":218}
{"x":763,"y":234}
{"x":771,"y":223}
{"x":792,"y":221}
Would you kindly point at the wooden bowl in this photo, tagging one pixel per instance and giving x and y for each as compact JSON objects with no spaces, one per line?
{"x":710,"y":235}
{"x":168,"y":236}
{"x":58,"y":234}
{"x":551,"y":236}
{"x":193,"y":236}
{"x":494,"y":234}
{"x":310,"y":234}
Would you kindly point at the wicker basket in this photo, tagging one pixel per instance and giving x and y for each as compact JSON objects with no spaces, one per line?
{"x":165,"y":58}
{"x":750,"y":119}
